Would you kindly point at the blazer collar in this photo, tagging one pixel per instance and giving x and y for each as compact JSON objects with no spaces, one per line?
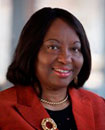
{"x":28,"y":104}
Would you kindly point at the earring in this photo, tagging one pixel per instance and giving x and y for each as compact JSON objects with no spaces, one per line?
{"x":76,"y":80}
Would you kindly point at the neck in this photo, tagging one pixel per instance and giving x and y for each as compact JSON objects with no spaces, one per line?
{"x":55,"y":97}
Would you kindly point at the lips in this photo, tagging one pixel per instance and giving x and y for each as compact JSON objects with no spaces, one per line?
{"x":62,"y":72}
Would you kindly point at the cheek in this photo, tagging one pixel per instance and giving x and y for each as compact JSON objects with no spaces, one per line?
{"x":40,"y":68}
{"x":79,"y":63}
{"x":41,"y":63}
{"x":81,"y":60}
{"x":44,"y":63}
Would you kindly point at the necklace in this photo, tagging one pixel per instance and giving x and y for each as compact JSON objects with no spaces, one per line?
{"x":54,"y":103}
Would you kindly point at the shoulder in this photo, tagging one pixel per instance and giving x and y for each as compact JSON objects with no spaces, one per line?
{"x":8,"y":95}
{"x":90,"y":95}
{"x":95,"y":99}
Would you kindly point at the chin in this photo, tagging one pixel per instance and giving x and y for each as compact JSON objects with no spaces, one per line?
{"x":60,"y":85}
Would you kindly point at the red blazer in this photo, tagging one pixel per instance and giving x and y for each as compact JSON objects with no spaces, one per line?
{"x":20,"y":109}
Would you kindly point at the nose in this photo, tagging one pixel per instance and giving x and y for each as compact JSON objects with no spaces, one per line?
{"x":65,"y":57}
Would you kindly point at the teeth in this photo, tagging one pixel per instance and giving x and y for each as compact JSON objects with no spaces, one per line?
{"x":62,"y":71}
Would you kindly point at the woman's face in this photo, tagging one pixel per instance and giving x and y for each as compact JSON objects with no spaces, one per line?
{"x":60,"y":59}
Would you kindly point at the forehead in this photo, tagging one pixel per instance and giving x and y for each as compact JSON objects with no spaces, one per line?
{"x":61,"y":29}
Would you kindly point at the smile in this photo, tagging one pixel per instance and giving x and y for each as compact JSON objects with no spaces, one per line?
{"x":63,"y":73}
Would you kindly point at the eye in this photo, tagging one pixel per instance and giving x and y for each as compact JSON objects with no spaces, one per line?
{"x":52,"y":47}
{"x":76,"y":50}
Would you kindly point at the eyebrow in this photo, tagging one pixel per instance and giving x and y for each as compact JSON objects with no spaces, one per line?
{"x":52,"y":40}
{"x":75,"y":42}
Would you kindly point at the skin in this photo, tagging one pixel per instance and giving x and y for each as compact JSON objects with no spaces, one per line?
{"x":61,"y":49}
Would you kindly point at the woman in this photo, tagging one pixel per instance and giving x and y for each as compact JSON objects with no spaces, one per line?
{"x":52,"y":61}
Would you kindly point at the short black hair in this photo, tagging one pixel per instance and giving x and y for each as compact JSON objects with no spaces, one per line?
{"x":21,"y":70}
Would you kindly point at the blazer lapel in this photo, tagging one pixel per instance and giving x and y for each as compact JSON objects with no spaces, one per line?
{"x":30,"y":107}
{"x":82,"y":110}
